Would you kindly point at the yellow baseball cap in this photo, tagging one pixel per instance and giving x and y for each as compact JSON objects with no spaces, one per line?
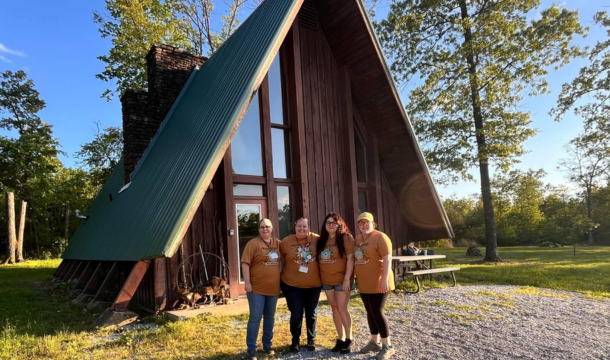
{"x":366,"y":216}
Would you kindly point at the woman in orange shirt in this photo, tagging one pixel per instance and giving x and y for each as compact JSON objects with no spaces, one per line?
{"x":301,"y":282}
{"x":336,"y":258}
{"x":260,"y":265}
{"x":373,"y":257}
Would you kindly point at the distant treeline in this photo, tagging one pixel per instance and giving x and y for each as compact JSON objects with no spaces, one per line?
{"x":529,"y":212}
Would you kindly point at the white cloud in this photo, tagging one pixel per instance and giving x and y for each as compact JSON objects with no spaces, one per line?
{"x":6,"y":51}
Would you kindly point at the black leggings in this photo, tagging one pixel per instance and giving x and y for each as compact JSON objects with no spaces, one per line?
{"x":374,"y":304}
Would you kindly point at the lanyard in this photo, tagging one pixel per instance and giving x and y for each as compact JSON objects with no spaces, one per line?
{"x":267,"y":243}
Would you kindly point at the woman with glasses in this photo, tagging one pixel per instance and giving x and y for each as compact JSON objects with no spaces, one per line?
{"x":260,"y":265}
{"x":300,"y":282}
{"x":336,"y":261}
{"x":372,"y":259}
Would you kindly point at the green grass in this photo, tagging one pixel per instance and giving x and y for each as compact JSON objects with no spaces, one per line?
{"x":39,"y":322}
{"x":554,"y":268}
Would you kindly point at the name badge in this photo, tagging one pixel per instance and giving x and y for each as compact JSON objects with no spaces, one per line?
{"x":273,"y":256}
{"x":303,"y":269}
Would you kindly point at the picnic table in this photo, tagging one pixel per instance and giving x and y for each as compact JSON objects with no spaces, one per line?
{"x":405,"y":263}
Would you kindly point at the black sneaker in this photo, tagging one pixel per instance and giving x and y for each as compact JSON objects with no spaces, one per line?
{"x":251,"y":355}
{"x":294,"y":348}
{"x":347,"y":346}
{"x":311,"y":345}
{"x":268,"y":350}
{"x":339,"y":344}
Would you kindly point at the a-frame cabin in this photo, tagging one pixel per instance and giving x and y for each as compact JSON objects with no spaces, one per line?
{"x":295,"y":115}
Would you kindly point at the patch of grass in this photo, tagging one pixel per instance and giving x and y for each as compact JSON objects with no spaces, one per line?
{"x":530,"y":290}
{"x":504,"y":304}
{"x":408,"y":307}
{"x":463,"y":307}
{"x":462,"y":316}
{"x":440,"y":302}
{"x":490,"y":294}
{"x":551,"y":268}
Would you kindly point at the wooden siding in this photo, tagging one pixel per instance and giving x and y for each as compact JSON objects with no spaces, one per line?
{"x":324,"y":132}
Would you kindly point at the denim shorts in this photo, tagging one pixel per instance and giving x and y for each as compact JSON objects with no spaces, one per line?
{"x":336,"y":287}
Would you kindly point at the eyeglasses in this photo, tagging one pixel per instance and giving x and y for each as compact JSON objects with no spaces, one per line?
{"x":363,"y":223}
{"x":332,"y":223}
{"x":264,"y":227}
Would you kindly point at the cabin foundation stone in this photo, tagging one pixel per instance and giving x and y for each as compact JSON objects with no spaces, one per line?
{"x":115,"y":318}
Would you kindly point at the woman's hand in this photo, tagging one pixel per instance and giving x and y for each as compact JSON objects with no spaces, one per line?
{"x":248,"y":287}
{"x":383,"y":286}
{"x":346,"y":284}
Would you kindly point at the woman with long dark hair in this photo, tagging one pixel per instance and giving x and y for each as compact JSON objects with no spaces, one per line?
{"x":336,"y":259}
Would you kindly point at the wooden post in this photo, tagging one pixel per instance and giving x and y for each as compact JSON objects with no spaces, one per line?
{"x":130,"y":286}
{"x":12,"y":237}
{"x":160,"y":283}
{"x":19,"y":255}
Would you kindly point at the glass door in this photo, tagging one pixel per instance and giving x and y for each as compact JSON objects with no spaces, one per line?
{"x":248,"y":214}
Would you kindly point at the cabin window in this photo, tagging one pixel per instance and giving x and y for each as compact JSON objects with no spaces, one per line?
{"x":284,"y":213}
{"x":276,"y":103}
{"x":279,"y":140}
{"x":246,"y":146}
{"x":360,"y":158}
{"x":362,"y":203}
{"x":247,"y":190}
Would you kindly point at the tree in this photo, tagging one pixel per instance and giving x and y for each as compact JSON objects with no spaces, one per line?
{"x":28,"y":151}
{"x":135,"y":25}
{"x":518,"y":196}
{"x":588,"y":165}
{"x":592,"y":81}
{"x":101,"y":155}
{"x":564,"y":221}
{"x":200,"y":16}
{"x":475,"y":60}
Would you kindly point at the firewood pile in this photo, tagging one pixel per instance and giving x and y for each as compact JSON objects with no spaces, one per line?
{"x":215,"y":292}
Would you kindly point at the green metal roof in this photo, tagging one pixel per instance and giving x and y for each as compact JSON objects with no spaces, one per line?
{"x":147,"y":220}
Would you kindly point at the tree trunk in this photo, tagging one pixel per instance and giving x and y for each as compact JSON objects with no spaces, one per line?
{"x":12,"y":237}
{"x":67,"y":223}
{"x":590,"y":214}
{"x":24,"y":205}
{"x":491,"y":253}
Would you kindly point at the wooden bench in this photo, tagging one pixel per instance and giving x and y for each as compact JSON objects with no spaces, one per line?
{"x":417,"y":273}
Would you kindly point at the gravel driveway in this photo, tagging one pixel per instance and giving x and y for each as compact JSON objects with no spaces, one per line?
{"x":487,"y":322}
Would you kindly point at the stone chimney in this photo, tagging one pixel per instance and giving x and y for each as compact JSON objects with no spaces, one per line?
{"x":143,"y":111}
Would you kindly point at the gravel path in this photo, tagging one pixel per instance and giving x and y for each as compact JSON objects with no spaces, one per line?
{"x":487,"y":322}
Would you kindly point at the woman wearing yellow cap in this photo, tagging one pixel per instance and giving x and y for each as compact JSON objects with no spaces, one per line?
{"x":373,"y":257}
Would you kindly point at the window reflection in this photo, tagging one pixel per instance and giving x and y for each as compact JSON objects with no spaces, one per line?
{"x":362,"y":201}
{"x":283,"y":211}
{"x":278,"y":139}
{"x":360,"y":158}
{"x":275,"y":92}
{"x":247,"y":190}
{"x":246,"y":149}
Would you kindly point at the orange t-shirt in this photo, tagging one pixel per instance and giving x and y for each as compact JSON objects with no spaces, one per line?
{"x":368,"y":261}
{"x":264,"y":260}
{"x":296,"y":252}
{"x":333,"y":266}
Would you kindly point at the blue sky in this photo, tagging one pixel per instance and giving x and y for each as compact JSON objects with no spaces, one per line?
{"x":56,"y":44}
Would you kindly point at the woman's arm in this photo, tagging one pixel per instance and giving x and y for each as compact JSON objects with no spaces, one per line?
{"x":384,"y":286}
{"x":349,"y":268}
{"x":245,"y":268}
